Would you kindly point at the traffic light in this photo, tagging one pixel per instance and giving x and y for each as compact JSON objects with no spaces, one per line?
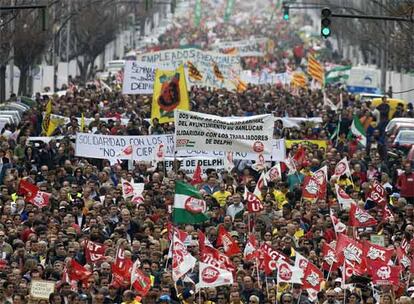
{"x":286,"y":12}
{"x":326,"y":22}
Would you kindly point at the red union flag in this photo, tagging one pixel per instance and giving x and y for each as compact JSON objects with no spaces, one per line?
{"x":351,"y":251}
{"x":360,"y":218}
{"x":268,"y":265}
{"x":212,"y":276}
{"x":403,"y":258}
{"x":377,"y":194}
{"x":252,"y":201}
{"x":312,"y":278}
{"x":229,"y":245}
{"x":33,"y":195}
{"x":339,"y":227}
{"x":77,"y":272}
{"x":384,"y":274}
{"x":330,"y":260}
{"x":94,"y":252}
{"x":250,"y":250}
{"x":314,"y":186}
{"x":273,"y":254}
{"x":375,"y":252}
{"x":41,"y":199}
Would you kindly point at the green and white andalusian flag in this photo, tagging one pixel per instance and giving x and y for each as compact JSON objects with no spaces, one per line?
{"x":358,"y":131}
{"x":339,"y":74}
{"x":189,"y":205}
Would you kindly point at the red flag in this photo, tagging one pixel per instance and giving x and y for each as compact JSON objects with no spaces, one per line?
{"x":197,"y":178}
{"x":224,"y":239}
{"x":41,"y":199}
{"x":314,"y":186}
{"x":329,"y":256}
{"x":374,"y":252}
{"x":140,"y":281}
{"x":32,"y":194}
{"x":360,"y":218}
{"x":180,"y":234}
{"x":383,"y":274}
{"x":405,"y":245}
{"x":299,"y":156}
{"x":121,"y":269}
{"x":352,"y":251}
{"x":252,"y":201}
{"x":94,"y":252}
{"x":386,"y":213}
{"x":403,"y":258}
{"x":27,"y":189}
{"x":274,"y":254}
{"x":250,"y":250}
{"x":268,"y":265}
{"x":78,"y":272}
{"x":210,"y":255}
{"x":377,"y":194}
{"x":312,"y":278}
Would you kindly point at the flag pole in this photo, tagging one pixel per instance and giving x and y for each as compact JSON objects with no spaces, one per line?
{"x":329,"y":272}
{"x":199,"y":296}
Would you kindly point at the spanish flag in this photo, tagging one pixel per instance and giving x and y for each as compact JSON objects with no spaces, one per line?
{"x":217,"y":72}
{"x":299,"y":80}
{"x":193,"y":73}
{"x":46,"y":118}
{"x":170,"y":93}
{"x":315,"y":69}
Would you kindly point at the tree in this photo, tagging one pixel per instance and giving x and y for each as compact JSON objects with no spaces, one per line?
{"x":93,"y":29}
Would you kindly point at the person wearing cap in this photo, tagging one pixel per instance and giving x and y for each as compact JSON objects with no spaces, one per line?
{"x":164,"y":299}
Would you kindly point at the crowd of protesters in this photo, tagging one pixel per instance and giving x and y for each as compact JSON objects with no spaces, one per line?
{"x":87,"y":203}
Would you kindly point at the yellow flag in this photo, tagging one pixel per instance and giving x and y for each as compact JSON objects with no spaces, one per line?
{"x":53,"y":124}
{"x":170,"y":93}
{"x":82,"y":123}
{"x":46,"y":118}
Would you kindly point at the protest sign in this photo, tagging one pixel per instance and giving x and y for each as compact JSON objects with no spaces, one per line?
{"x":244,"y":48}
{"x":189,"y":164}
{"x":194,"y":131}
{"x":143,"y":147}
{"x":202,"y":60}
{"x":278,"y":153}
{"x":123,"y":147}
{"x":138,"y":77}
{"x":304,"y":142}
{"x":264,"y":77}
{"x":41,"y":289}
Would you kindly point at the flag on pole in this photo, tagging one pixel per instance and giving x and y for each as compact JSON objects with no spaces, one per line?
{"x":341,"y":168}
{"x":193,"y":72}
{"x":299,"y":80}
{"x":197,"y":13}
{"x":315,"y":69}
{"x":46,"y":118}
{"x":229,"y":10}
{"x":170,"y":93}
{"x":189,"y":206}
{"x":338,"y":74}
{"x":358,"y":131}
{"x":183,"y":261}
{"x":212,"y":276}
{"x":219,"y":75}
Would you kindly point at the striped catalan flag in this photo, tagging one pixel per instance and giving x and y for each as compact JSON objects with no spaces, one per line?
{"x":193,"y":72}
{"x":299,"y":80}
{"x":241,"y":85}
{"x":315,"y":69}
{"x":217,"y":72}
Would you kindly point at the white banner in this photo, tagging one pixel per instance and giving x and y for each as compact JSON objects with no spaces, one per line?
{"x":278,"y":153}
{"x":143,"y":147}
{"x":138,"y":77}
{"x":123,"y":147}
{"x":203,"y":61}
{"x":194,"y":131}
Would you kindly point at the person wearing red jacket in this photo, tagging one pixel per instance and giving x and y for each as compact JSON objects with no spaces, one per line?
{"x":405,"y":184}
